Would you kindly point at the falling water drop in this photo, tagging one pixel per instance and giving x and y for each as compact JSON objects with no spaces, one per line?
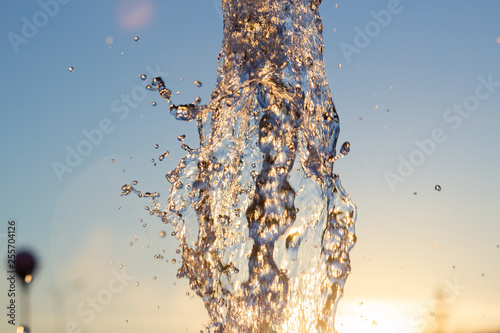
{"x":144,"y":77}
{"x":198,"y":83}
{"x":71,"y":69}
{"x":437,"y":188}
{"x":156,"y":146}
{"x":153,"y":103}
{"x":136,"y":38}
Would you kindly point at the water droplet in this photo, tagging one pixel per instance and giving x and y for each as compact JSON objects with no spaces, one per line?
{"x":174,"y":261}
{"x":437,"y":188}
{"x":71,"y":69}
{"x":165,"y":93}
{"x":198,"y":83}
{"x":156,"y":146}
{"x":137,"y":283}
{"x":126,"y":189}
{"x":187,"y":293}
{"x":387,"y":110}
{"x":136,"y":38}
{"x":144,"y":77}
{"x":340,"y":65}
{"x":177,"y":251}
{"x":360,"y":118}
{"x":197,"y":100}
{"x":153,"y":103}
{"x":181,"y":137}
{"x":162,"y":234}
{"x":414,"y":193}
{"x":121,"y":266}
{"x":123,"y":170}
{"x":112,"y":160}
{"x":483,"y":275}
{"x":346,"y":147}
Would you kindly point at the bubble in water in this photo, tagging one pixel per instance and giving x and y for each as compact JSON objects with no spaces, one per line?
{"x":198,"y":83}
{"x":71,"y":69}
{"x":144,"y":77}
{"x":153,"y":103}
{"x":136,"y":38}
{"x":437,"y":188}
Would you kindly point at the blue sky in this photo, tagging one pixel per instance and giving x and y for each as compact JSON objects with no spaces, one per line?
{"x":407,"y":79}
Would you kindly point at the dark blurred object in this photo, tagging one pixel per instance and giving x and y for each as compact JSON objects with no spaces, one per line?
{"x":25,"y":265}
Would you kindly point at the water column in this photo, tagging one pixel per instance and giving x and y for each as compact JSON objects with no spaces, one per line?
{"x":264,"y":224}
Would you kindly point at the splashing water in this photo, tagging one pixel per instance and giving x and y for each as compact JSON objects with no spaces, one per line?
{"x":264,"y":224}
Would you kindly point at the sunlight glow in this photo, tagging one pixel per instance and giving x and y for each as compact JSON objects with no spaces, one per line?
{"x":373,"y":317}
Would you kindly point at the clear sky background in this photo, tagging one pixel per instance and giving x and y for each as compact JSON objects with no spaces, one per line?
{"x":412,"y":88}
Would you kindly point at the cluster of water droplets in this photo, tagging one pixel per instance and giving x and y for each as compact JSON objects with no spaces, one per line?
{"x":263,"y":222}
